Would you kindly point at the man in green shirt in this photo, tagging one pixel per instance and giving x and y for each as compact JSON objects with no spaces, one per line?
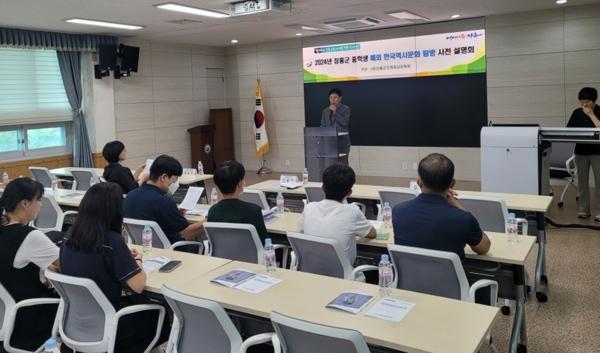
{"x":229,"y":177}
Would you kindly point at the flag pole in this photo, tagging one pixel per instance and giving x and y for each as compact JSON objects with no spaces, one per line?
{"x":263,"y":167}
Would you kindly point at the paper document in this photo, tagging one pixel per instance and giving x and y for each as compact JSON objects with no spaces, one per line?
{"x":289,"y":181}
{"x":246,"y":281}
{"x":74,"y":195}
{"x":197,"y":212}
{"x":258,"y":284}
{"x":148,"y":165}
{"x":154,"y":264}
{"x":191,"y":198}
{"x":390,"y":309}
{"x":352,"y":302}
{"x":233,"y":278}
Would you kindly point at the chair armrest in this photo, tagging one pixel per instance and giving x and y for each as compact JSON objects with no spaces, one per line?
{"x":207,"y":247}
{"x":379,"y":213}
{"x":571,"y":166}
{"x":8,"y":328}
{"x":68,"y":213}
{"x":136,"y":309}
{"x":293,"y":261}
{"x":261,"y":338}
{"x":285,"y":249}
{"x":173,"y":336}
{"x":304,"y":202}
{"x":482,"y":283}
{"x":363,"y":268}
{"x":188,"y":242}
{"x":361,"y":206}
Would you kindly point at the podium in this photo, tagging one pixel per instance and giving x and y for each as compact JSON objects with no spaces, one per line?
{"x":323,"y":146}
{"x":202,"y":143}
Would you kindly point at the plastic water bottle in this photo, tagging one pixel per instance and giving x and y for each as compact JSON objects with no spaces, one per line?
{"x":512,"y":228}
{"x":280,"y":202}
{"x":200,"y":168}
{"x":269,"y":254}
{"x":386,"y":276}
{"x":387,"y":215}
{"x":50,"y":346}
{"x":54,"y":185}
{"x":146,"y":239}
{"x":5,"y":179}
{"x":214,"y":196}
{"x":305,"y":176}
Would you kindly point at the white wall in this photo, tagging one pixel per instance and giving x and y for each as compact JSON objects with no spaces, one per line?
{"x":537,"y":62}
{"x":169,"y":94}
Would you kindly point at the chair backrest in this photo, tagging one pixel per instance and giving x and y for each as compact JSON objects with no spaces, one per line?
{"x":490,"y":212}
{"x":50,"y":214}
{"x":429,"y":271}
{"x":256,"y":197}
{"x":314,"y":193}
{"x":85,"y":314}
{"x":320,"y":255}
{"x":299,"y":336}
{"x":83,"y":178}
{"x":135,"y":227}
{"x":42,"y":175}
{"x":395,"y":196}
{"x":234,"y":241}
{"x":561,"y":151}
{"x":201,"y":323}
{"x":6,"y":305}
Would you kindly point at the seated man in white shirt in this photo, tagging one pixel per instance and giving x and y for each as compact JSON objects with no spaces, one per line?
{"x":334,"y":217}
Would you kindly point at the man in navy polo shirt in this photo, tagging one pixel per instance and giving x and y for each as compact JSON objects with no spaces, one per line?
{"x":151,"y":202}
{"x":435,"y":219}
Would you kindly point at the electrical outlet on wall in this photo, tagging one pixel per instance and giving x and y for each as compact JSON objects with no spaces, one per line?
{"x":404,"y":165}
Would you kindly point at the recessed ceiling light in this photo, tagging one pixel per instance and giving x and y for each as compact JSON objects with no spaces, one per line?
{"x":234,"y":41}
{"x":456,"y":15}
{"x":171,"y":6}
{"x":82,"y":21}
{"x":407,"y":15}
{"x":298,"y":34}
{"x":561,"y":2}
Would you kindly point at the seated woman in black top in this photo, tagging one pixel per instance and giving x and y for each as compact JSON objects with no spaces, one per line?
{"x":114,"y":152}
{"x":24,"y":252}
{"x":95,"y":249}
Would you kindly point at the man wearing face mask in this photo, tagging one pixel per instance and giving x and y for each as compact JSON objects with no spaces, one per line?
{"x":587,"y":154}
{"x":338,"y":116}
{"x":151,"y":202}
{"x":333,"y":217}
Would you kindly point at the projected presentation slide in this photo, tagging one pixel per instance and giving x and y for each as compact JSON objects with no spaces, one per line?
{"x":418,"y":56}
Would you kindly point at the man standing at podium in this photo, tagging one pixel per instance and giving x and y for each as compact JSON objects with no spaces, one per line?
{"x":338,"y":115}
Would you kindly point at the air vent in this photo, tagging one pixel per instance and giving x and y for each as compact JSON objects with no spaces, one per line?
{"x":353,"y":23}
{"x":407,"y":16}
{"x":184,"y":22}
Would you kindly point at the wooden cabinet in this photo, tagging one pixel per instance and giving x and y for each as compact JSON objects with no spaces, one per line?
{"x":223,"y":139}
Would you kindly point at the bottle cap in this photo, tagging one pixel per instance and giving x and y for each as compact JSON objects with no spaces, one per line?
{"x":385,"y":257}
{"x":268,"y":241}
{"x":50,"y":344}
{"x":512,"y":215}
{"x":147,"y":226}
{"x":386,"y":204}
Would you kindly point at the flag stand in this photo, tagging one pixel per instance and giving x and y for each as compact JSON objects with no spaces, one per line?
{"x":263,"y":168}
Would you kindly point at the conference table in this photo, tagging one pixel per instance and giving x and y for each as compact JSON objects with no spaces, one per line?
{"x":501,"y":251}
{"x":434,"y":324}
{"x":538,"y":204}
{"x":183,"y":180}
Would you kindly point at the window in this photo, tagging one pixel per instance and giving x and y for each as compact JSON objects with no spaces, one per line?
{"x":31,"y":88}
{"x":33,"y":140}
{"x":34,"y":109}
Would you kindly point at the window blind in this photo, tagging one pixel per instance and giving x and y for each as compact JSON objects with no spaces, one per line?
{"x":31,"y":88}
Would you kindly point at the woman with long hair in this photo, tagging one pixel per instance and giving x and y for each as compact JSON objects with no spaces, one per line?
{"x":24,"y":252}
{"x":95,"y":249}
